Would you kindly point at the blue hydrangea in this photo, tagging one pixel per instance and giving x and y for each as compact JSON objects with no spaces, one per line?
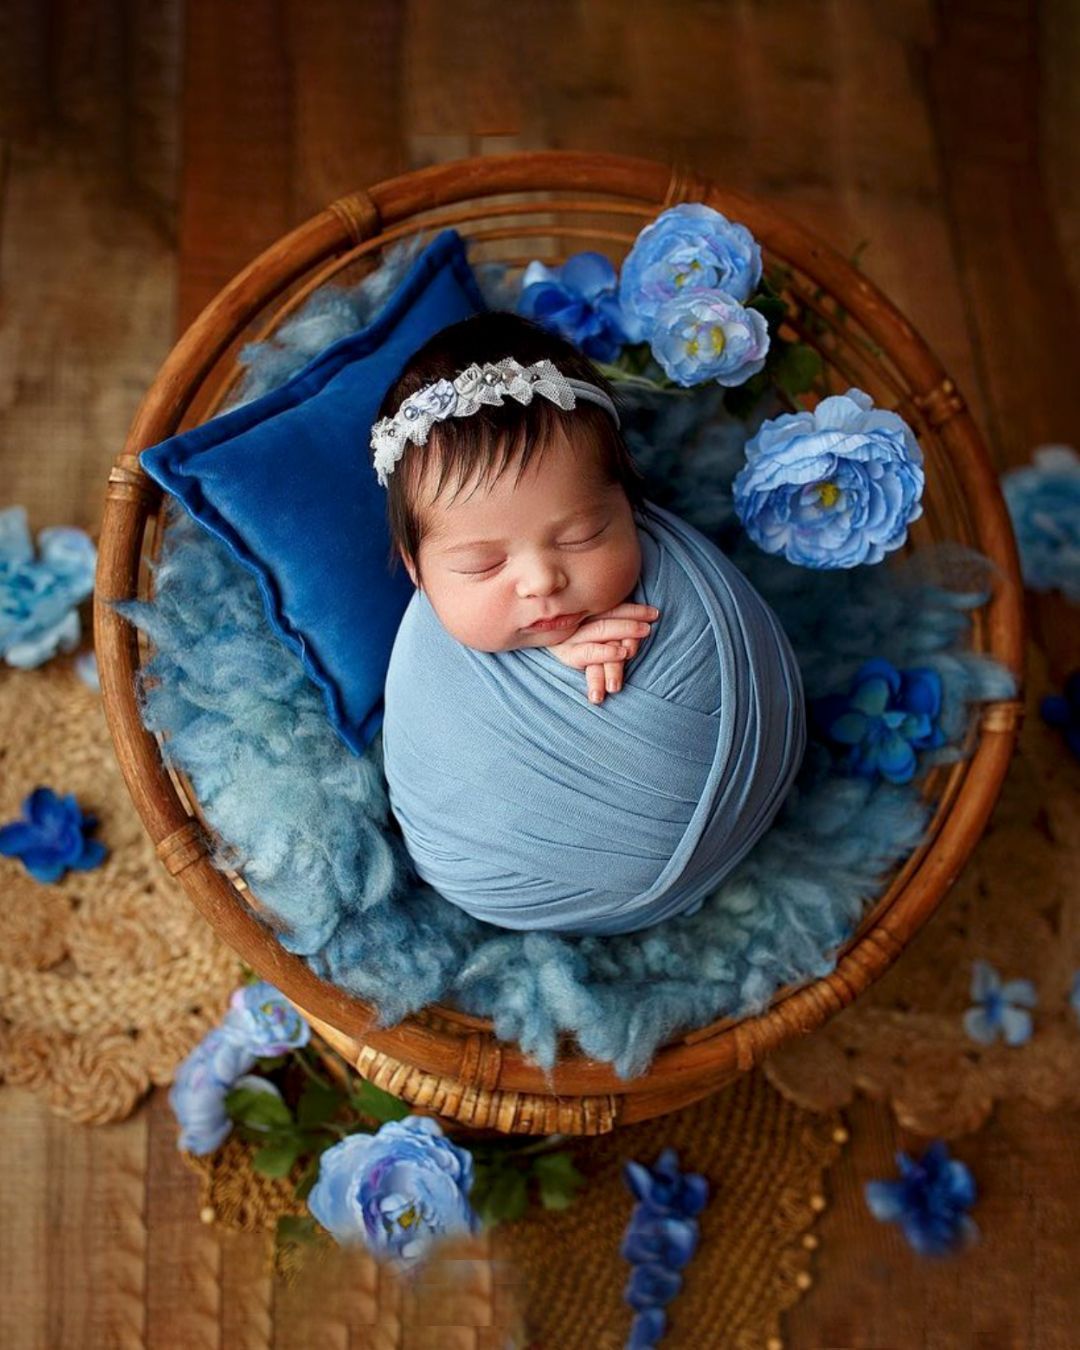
{"x":690,"y":248}
{"x":884,"y":718}
{"x":836,"y":487}
{"x":396,"y":1191}
{"x":579,"y":301}
{"x":1063,"y":712}
{"x":1044,"y":503}
{"x":39,"y":596}
{"x":930,"y":1201}
{"x":708,"y":335}
{"x":53,"y":837}
{"x":199,"y":1089}
{"x":264,"y":1021}
{"x":1001,"y":1009}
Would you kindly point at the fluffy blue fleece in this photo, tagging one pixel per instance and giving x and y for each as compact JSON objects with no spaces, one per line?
{"x":308,"y":822}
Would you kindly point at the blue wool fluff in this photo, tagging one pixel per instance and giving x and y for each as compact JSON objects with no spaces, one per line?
{"x":308,"y":822}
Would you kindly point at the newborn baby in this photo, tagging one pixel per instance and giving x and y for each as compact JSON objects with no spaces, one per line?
{"x":553,"y":763}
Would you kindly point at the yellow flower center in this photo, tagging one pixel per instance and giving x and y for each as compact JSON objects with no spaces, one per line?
{"x":408,"y":1218}
{"x":680,"y":277}
{"x":828,"y":494}
{"x":718,"y":340}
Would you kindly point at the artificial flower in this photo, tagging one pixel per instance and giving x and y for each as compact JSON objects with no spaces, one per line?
{"x":199,"y":1089}
{"x":664,"y":1239}
{"x":930,"y":1201}
{"x":1074,"y":995}
{"x":884,"y":718}
{"x":836,"y":487}
{"x":579,"y":301}
{"x":652,"y":1286}
{"x":1000,"y":1009}
{"x":708,"y":335}
{"x":690,"y":248}
{"x":38,"y":596}
{"x":53,"y":837}
{"x":1044,"y":502}
{"x":264,"y":1021}
{"x":647,"y":1329}
{"x":664,"y":1190}
{"x":396,"y":1191}
{"x":1063,"y":711}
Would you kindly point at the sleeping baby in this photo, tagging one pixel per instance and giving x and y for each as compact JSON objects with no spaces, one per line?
{"x":591,"y":716}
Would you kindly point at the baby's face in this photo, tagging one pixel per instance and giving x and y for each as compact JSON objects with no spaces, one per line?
{"x":523,"y":563}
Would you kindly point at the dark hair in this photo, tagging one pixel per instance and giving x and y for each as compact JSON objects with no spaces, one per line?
{"x":482,"y":446}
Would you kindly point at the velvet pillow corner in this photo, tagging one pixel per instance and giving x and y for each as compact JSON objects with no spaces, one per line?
{"x":286,"y":483}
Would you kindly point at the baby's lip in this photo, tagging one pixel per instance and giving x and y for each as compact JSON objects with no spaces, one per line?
{"x":557,"y":621}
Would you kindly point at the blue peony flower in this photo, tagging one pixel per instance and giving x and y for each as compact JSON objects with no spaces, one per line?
{"x":38,"y":596}
{"x":396,"y":1191}
{"x":579,"y":301}
{"x":52,"y":837}
{"x":886,"y":716}
{"x":1063,"y":711}
{"x":836,"y":487}
{"x":708,"y":335}
{"x":1001,"y":1009}
{"x":1044,"y":503}
{"x":199,"y":1089}
{"x":264,"y":1021}
{"x":663,"y":1190}
{"x":929,"y":1202}
{"x":687,"y":249}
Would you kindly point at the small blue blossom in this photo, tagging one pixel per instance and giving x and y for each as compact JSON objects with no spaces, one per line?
{"x":929,"y":1202}
{"x":199,"y":1089}
{"x":263,"y":1020}
{"x":1044,"y":502}
{"x":1001,"y":1009}
{"x":688,"y":249}
{"x":649,"y":1237}
{"x":836,"y":487}
{"x":652,"y":1286}
{"x":396,"y":1191}
{"x":1074,"y":995}
{"x":1063,"y":711}
{"x":884,"y":718}
{"x":579,"y":301}
{"x":663,"y":1190}
{"x":38,"y":596}
{"x":647,"y":1329}
{"x":709,"y":335}
{"x":52,"y":837}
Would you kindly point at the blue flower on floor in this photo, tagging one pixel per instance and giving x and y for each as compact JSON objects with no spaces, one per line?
{"x":38,"y":596}
{"x":579,"y":301}
{"x":886,"y":716}
{"x":929,"y":1202}
{"x":1044,"y":502}
{"x":1001,"y":1009}
{"x":1063,"y":711}
{"x":663,"y":1190}
{"x":200,"y":1086}
{"x":261,"y":1018}
{"x":52,"y":837}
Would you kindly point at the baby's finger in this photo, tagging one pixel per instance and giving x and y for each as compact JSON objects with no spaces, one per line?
{"x":603,"y":630}
{"x":585,"y":654}
{"x":628,"y":611}
{"x":630,"y":647}
{"x":594,"y":679}
{"x":613,"y":676}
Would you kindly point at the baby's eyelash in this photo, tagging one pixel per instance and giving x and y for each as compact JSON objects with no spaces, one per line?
{"x":478,"y":572}
{"x":572,"y":543}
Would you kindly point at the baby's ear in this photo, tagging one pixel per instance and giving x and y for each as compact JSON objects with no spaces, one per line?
{"x":410,"y":567}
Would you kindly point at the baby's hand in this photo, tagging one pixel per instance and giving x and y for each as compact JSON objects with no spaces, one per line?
{"x":603,"y":644}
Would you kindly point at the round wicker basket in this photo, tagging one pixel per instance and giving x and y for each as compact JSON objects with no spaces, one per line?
{"x":515,"y":208}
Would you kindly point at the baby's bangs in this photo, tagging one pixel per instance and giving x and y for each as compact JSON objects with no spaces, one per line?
{"x":474,"y":452}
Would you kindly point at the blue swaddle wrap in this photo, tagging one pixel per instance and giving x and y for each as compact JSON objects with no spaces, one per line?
{"x":533,"y":809}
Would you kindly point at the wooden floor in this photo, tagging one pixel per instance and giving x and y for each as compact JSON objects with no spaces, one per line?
{"x":148,"y":149}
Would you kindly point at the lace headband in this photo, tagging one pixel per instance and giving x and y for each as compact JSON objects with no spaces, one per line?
{"x":466,"y":394}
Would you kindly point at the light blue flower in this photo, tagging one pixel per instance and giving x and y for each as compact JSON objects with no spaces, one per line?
{"x":708,"y":335}
{"x":199,"y":1089}
{"x":689,"y":248}
{"x":929,"y":1202}
{"x":52,"y":837}
{"x":263,"y":1020}
{"x":1001,"y":1009}
{"x":38,"y":596}
{"x":886,"y":716}
{"x":1044,"y":503}
{"x":579,"y":301}
{"x":836,"y":487}
{"x":396,"y":1191}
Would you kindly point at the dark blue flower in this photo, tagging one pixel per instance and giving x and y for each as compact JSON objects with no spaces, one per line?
{"x":929,"y":1202}
{"x":579,"y":301}
{"x":886,"y":716}
{"x":52,"y":837}
{"x":1001,"y":1009}
{"x":1063,"y":711}
{"x":647,"y":1329}
{"x":652,"y":1286}
{"x":664,"y":1190}
{"x":651,"y":1237}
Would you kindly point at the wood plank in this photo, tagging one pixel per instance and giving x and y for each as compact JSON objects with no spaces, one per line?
{"x":25,"y":1232}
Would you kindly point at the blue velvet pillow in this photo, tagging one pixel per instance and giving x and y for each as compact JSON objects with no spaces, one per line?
{"x":286,"y":482}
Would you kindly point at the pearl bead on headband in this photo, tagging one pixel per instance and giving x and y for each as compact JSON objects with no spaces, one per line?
{"x":467,"y":393}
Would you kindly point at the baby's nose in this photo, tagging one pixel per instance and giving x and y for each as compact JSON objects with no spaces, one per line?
{"x":541,"y":580}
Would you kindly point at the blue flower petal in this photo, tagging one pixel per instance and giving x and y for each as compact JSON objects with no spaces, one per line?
{"x":16,"y":838}
{"x":980,"y":1027}
{"x":896,"y":760}
{"x":93,"y":855}
{"x":1017,"y":1025}
{"x":1021,"y":992}
{"x":984,"y":980}
{"x":849,"y":728}
{"x":871,"y":697}
{"x":647,"y":1329}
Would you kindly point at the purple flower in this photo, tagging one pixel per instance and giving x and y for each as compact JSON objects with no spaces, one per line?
{"x":264,"y":1021}
{"x":663,"y":1190}
{"x":396,"y":1191}
{"x":1044,"y":502}
{"x":52,"y":837}
{"x":929,"y":1202}
{"x":1001,"y":1009}
{"x":689,"y":248}
{"x":1063,"y":711}
{"x":708,"y":335}
{"x":886,"y":716}
{"x":38,"y":596}
{"x":836,"y":487}
{"x":200,"y":1087}
{"x":579,"y":301}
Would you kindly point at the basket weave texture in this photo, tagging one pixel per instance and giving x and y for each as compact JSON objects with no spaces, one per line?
{"x":512,"y":209}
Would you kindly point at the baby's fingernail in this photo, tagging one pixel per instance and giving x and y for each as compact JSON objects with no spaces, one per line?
{"x":613,"y":686}
{"x":643,"y":629}
{"x":653,"y":611}
{"x":595,"y":696}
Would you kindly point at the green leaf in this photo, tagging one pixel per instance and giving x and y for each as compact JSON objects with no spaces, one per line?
{"x":296,"y":1228}
{"x":558,"y":1179}
{"x":506,"y":1198}
{"x":798,"y":369}
{"x":276,"y":1159}
{"x":772,"y":309}
{"x":318,"y":1103}
{"x":381,"y":1106}
{"x":269,"y":1065}
{"x":259,"y":1110}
